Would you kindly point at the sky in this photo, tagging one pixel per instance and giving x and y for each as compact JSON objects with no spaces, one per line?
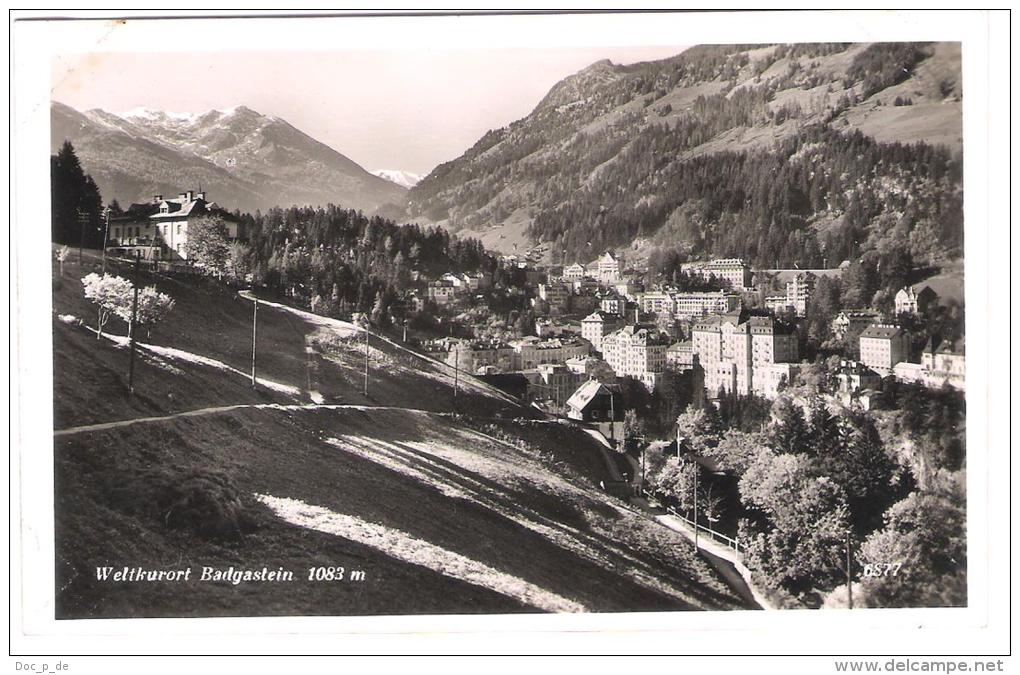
{"x":408,"y":110}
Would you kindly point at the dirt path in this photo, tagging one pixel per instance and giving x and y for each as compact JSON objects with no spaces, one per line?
{"x":215,"y":410}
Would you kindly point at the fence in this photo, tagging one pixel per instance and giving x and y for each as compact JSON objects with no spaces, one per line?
{"x":728,"y":542}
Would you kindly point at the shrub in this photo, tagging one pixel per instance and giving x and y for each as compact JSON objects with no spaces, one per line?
{"x":206,"y":503}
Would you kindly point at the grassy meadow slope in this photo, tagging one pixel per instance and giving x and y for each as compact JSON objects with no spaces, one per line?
{"x":444,"y":512}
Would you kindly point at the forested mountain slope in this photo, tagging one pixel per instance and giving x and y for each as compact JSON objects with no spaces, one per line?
{"x":802,"y":154}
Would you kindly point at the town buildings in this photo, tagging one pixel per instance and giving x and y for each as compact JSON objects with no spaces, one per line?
{"x":848,"y":324}
{"x":442,"y":292}
{"x":732,"y":270}
{"x":612,"y":302}
{"x":597,"y":325}
{"x":744,"y":354}
{"x":608,"y":269}
{"x":882,"y":346}
{"x":556,"y":296}
{"x":798,"y":294}
{"x":657,"y":302}
{"x":575,"y":272}
{"x":680,"y":356}
{"x":638,"y":352}
{"x":945,"y":363}
{"x":689,"y":306}
{"x":908,"y":301}
{"x":854,"y":377}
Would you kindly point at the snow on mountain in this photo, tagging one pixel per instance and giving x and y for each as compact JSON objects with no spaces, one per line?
{"x":402,"y":178}
{"x":246,"y":159}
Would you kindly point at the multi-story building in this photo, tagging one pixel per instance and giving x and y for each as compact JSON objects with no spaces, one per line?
{"x":531,"y":351}
{"x":693,"y":305}
{"x":473,"y":356}
{"x":848,"y":324}
{"x":159,"y":229}
{"x":738,"y":352}
{"x":799,"y":291}
{"x":638,"y":352}
{"x":882,"y":346}
{"x":910,"y":302}
{"x":680,"y":356}
{"x":441,"y":292}
{"x":597,"y":325}
{"x":612,"y":302}
{"x":732,"y":270}
{"x":575,"y":272}
{"x":778,"y":304}
{"x":551,"y":382}
{"x":945,"y":363}
{"x":656,"y":302}
{"x":557,"y":296}
{"x":608,"y":268}
{"x":628,"y":288}
{"x":855,"y":377}
{"x":591,"y":367}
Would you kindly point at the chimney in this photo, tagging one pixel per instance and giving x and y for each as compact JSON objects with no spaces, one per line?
{"x":200,"y":195}
{"x":191,"y":195}
{"x":183,"y":197}
{"x":157,"y":199}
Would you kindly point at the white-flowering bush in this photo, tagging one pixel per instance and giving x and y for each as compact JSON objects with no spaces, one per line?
{"x":111,"y":294}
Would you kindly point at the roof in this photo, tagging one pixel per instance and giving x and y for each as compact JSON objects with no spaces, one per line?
{"x":881,"y":331}
{"x":608,"y":257}
{"x":599,"y":315}
{"x":681,"y":346}
{"x":945,"y":347}
{"x":183,"y":210}
{"x":587,"y":393}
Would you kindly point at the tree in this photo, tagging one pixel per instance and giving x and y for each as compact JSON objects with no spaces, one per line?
{"x":737,"y":450}
{"x":699,"y":428}
{"x":788,"y":432}
{"x":111,"y":294}
{"x":799,"y":542}
{"x":153,"y":306}
{"x":208,"y":245}
{"x":73,"y":196}
{"x":237,"y":261}
{"x":378,"y":308}
{"x":925,"y":536}
{"x":61,"y":255}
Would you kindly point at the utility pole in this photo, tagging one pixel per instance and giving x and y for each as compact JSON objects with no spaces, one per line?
{"x":456,"y":370}
{"x":366,"y":357}
{"x":254,"y":329}
{"x":612,"y":419}
{"x":106,"y":234}
{"x":695,"y":504}
{"x":131,"y":329}
{"x":82,"y":219}
{"x":405,"y":330}
{"x":642,"y":468}
{"x":849,"y":575}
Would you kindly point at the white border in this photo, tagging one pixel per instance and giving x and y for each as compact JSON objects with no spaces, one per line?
{"x":978,"y":629}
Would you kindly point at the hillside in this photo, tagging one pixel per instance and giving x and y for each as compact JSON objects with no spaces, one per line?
{"x":245,"y":160}
{"x":447,"y":506}
{"x":791,"y":154}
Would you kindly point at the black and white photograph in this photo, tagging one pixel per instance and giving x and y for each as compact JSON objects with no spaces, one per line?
{"x":626,"y":327}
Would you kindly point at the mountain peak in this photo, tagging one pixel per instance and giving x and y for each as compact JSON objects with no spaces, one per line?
{"x":602,"y":64}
